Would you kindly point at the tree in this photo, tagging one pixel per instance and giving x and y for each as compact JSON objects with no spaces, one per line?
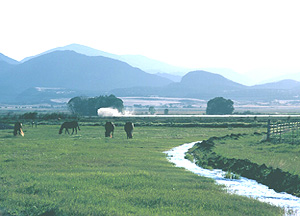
{"x":166,"y":111}
{"x":152,"y":110}
{"x":90,"y":106}
{"x":219,"y":106}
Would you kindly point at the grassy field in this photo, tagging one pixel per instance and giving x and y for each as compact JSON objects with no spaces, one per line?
{"x":87,"y":174}
{"x":277,"y":155}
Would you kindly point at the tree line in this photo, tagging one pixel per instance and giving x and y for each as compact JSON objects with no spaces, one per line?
{"x":89,"y":106}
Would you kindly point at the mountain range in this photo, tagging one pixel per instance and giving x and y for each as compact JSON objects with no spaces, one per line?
{"x":146,"y":64}
{"x":65,"y":72}
{"x":149,"y":65}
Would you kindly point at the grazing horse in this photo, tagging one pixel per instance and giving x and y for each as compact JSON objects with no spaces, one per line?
{"x":18,"y":129}
{"x":128,"y":127}
{"x":67,"y":125}
{"x":33,"y":123}
{"x":109,"y":129}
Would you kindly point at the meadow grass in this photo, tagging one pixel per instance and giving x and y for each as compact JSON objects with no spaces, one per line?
{"x":88,"y":174}
{"x":253,"y":147}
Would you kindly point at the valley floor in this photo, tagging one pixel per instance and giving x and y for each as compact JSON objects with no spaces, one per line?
{"x":88,"y":174}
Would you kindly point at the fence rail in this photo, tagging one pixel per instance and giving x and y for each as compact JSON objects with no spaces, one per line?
{"x":284,"y":132}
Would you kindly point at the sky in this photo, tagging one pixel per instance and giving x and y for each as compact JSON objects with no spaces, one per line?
{"x":255,"y":37}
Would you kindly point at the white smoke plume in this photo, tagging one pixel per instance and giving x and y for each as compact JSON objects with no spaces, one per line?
{"x":106,"y":112}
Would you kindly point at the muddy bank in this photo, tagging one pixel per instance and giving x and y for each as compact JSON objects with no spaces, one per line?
{"x":276,"y":179}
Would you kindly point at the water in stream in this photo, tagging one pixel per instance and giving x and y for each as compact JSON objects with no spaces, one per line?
{"x":242,"y":186}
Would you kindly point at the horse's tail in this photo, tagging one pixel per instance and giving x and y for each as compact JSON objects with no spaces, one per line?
{"x":61,"y":129}
{"x":78,"y":126}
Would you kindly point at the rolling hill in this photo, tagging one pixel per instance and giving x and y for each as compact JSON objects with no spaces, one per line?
{"x":4,"y":67}
{"x":61,"y":74}
{"x":4,"y":58}
{"x":144,"y":63}
{"x":204,"y":80}
{"x":206,"y":85}
{"x":195,"y":84}
{"x":203,"y":84}
{"x":283,"y":84}
{"x":6,"y":63}
{"x":70,"y":70}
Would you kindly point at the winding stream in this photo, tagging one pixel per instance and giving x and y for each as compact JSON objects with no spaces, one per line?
{"x":242,"y":186}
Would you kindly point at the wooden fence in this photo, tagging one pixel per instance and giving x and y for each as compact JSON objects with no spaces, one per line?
{"x":284,"y":132}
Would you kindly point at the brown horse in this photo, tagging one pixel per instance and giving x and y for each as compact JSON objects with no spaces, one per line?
{"x":67,"y":125}
{"x":128,"y":127}
{"x":18,"y":129}
{"x":109,"y":129}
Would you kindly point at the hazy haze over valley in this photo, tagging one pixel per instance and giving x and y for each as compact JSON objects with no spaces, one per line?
{"x":72,"y":70}
{"x":255,"y":39}
{"x":246,"y":51}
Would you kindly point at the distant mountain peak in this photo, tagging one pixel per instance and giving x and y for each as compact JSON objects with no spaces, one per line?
{"x":205,"y":78}
{"x":144,"y":63}
{"x":282,"y":84}
{"x":72,"y":70}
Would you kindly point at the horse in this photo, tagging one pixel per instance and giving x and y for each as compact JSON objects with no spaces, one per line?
{"x":128,"y":127}
{"x":18,"y":129}
{"x":33,"y":123}
{"x":67,"y":125}
{"x":109,"y":129}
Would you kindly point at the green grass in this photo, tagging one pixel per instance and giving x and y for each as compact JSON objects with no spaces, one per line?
{"x":277,"y":155}
{"x":231,"y":175}
{"x":88,"y":174}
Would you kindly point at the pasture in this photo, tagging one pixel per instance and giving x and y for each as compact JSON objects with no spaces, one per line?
{"x":251,"y":146}
{"x":89,"y":174}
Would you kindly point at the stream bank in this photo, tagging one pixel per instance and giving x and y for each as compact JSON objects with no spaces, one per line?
{"x":242,"y":186}
{"x":276,"y":179}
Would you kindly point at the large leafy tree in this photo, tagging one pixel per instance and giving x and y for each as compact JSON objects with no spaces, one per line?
{"x":90,"y":106}
{"x":219,"y":106}
{"x":152,"y":110}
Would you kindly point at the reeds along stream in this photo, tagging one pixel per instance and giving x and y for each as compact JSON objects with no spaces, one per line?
{"x":242,"y":186}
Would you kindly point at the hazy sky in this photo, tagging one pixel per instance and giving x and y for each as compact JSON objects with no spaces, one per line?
{"x":255,"y":36}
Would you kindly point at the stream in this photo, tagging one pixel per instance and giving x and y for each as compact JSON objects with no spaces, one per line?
{"x":242,"y":186}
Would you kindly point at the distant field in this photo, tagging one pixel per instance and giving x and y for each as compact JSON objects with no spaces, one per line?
{"x":87,"y":174}
{"x":191,"y":106}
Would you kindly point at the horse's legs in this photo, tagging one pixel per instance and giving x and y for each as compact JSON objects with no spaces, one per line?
{"x":67,"y":131}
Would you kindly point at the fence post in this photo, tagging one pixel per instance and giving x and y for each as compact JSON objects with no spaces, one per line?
{"x":280,"y":131}
{"x":293,"y":133}
{"x":269,"y":129}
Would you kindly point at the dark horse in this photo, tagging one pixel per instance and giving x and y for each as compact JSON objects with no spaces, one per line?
{"x":109,"y":129}
{"x":128,"y":127}
{"x":18,"y":129}
{"x":67,"y":125}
